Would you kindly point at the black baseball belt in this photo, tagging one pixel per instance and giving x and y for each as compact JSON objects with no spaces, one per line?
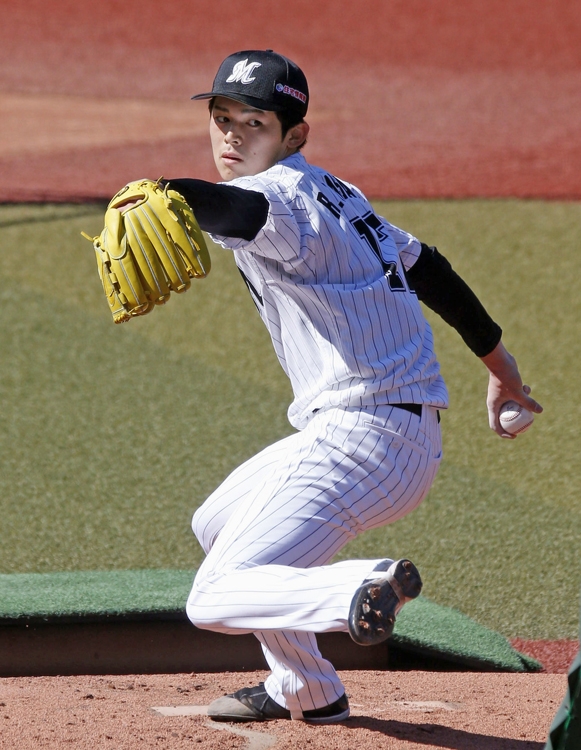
{"x":413,"y":408}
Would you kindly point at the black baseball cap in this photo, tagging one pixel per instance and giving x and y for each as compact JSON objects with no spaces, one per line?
{"x":263,"y":79}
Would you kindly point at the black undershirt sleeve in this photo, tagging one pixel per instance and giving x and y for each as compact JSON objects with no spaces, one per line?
{"x":224,"y":209}
{"x":440,"y":288}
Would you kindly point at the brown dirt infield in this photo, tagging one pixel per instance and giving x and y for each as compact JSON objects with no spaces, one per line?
{"x":398,"y":711}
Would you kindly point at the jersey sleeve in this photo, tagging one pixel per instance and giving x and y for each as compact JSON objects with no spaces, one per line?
{"x":280,"y":236}
{"x":408,"y":246}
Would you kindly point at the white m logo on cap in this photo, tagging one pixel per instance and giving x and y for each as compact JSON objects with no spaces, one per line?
{"x":242,"y":71}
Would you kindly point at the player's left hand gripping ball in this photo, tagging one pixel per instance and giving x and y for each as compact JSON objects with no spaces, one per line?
{"x":151,"y":245}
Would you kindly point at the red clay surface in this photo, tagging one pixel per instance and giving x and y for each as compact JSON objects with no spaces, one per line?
{"x":410,"y":98}
{"x":391,"y":711}
{"x":555,"y":656}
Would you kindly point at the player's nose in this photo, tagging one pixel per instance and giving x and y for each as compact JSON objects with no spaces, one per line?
{"x":232,"y":136}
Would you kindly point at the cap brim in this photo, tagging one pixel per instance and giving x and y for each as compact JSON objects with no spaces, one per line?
{"x":252,"y":101}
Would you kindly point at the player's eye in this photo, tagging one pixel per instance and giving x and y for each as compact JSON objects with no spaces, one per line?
{"x":254,"y":123}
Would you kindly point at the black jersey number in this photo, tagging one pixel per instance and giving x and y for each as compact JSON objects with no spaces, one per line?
{"x":370,"y":229}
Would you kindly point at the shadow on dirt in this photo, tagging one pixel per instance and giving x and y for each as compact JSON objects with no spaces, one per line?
{"x":436,"y":735}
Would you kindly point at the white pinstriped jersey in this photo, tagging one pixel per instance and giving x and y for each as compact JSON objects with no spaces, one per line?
{"x":326,"y":274}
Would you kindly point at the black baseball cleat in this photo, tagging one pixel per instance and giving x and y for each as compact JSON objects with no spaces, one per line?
{"x":377,"y":602}
{"x":254,"y":704}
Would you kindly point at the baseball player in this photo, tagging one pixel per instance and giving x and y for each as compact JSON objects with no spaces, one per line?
{"x":338,"y":289}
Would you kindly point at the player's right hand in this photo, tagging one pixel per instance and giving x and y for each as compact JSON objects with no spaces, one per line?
{"x":505,"y":384}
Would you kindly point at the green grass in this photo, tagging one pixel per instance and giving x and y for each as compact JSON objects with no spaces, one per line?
{"x":110,"y":436}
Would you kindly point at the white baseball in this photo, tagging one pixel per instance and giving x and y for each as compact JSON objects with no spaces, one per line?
{"x":514,"y":418}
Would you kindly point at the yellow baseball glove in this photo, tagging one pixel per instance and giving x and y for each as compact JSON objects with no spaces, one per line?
{"x":151,"y":245}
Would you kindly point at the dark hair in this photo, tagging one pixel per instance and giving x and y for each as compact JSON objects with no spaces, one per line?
{"x":287,"y":118}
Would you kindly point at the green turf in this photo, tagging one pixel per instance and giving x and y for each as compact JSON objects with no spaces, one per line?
{"x":110,"y":436}
{"x":80,"y":596}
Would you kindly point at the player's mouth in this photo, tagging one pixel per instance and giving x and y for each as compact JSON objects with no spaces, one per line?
{"x":229,"y":157}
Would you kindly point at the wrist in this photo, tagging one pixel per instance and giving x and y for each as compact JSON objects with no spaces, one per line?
{"x":499,"y":361}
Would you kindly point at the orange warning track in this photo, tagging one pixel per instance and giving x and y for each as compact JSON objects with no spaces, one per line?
{"x":410,"y":98}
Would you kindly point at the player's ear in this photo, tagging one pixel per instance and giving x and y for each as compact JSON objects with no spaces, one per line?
{"x":297,"y":135}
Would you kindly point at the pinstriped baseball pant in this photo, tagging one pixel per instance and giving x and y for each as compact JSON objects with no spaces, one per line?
{"x":270,"y":530}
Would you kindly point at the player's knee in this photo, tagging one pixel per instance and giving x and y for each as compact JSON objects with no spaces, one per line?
{"x":195,"y":616}
{"x":197,"y":526}
{"x":202,"y":532}
{"x":195,"y":608}
{"x":201,"y":612}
